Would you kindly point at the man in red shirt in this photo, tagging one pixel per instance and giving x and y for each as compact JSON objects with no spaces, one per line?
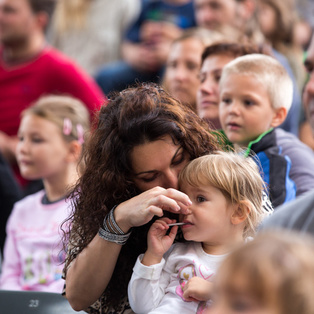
{"x":30,"y":68}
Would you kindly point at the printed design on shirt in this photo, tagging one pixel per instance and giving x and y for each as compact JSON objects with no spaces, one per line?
{"x":205,"y":272}
{"x":43,"y":269}
{"x":28,"y":274}
{"x":185,"y":273}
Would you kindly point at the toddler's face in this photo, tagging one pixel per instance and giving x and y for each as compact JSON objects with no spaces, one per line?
{"x":245,"y":110}
{"x":210,"y":218}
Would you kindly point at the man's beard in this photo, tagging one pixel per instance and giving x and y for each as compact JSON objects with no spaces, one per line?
{"x":14,"y":42}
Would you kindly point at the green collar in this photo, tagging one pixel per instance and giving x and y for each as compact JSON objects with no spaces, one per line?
{"x":247,"y":152}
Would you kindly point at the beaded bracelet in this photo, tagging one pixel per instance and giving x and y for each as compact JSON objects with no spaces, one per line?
{"x":111,"y":231}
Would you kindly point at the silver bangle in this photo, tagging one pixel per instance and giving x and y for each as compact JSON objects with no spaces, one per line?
{"x":120,"y":239}
{"x":111,"y":231}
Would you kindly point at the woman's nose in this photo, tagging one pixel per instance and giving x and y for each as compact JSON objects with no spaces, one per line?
{"x":171,"y":179}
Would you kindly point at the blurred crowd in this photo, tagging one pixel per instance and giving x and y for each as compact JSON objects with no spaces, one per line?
{"x":62,"y":61}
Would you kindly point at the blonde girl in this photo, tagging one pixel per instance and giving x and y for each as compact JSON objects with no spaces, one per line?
{"x":226,"y":194}
{"x":51,"y":136}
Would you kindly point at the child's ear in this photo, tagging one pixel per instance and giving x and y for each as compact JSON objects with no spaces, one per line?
{"x":75,"y":149}
{"x":240,"y":213}
{"x":280,"y":115}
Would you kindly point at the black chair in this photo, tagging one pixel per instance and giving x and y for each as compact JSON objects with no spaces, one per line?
{"x":34,"y":302}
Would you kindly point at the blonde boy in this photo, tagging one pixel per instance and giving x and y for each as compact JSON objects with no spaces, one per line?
{"x":255,"y":97}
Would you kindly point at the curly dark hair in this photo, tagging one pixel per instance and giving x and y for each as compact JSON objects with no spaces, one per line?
{"x":137,"y":115}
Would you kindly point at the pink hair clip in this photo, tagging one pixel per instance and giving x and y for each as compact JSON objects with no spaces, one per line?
{"x":80,"y":133}
{"x":67,"y":126}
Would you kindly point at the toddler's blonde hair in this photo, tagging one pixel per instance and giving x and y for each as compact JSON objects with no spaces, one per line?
{"x":237,"y":177}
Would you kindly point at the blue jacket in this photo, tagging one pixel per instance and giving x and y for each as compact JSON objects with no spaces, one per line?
{"x":274,"y":166}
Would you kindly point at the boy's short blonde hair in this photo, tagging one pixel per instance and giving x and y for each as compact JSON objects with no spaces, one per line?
{"x":237,"y":177}
{"x":269,"y":72}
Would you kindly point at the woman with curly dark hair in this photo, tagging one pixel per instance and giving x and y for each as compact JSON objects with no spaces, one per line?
{"x":143,"y":139}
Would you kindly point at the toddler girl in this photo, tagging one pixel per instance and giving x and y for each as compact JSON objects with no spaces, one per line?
{"x":226,"y":194}
{"x":51,"y":135}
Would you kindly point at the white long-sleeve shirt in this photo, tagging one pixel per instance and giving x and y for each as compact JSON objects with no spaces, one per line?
{"x":157,"y":288}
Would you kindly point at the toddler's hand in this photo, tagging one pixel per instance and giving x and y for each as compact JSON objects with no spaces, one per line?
{"x":197,"y":289}
{"x":158,"y":241}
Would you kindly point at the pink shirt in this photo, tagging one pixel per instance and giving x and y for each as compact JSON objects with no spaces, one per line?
{"x":33,"y":253}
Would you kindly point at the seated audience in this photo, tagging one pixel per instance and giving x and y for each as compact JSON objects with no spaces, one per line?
{"x":214,"y":58}
{"x":146,"y":45}
{"x":255,"y":96}
{"x":181,"y":78}
{"x":30,"y":68}
{"x":155,"y":136}
{"x":241,"y":15}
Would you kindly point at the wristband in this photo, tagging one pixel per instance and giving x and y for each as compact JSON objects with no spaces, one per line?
{"x":111,"y":231}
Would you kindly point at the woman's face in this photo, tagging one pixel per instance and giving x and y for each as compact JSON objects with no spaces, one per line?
{"x":208,"y":92}
{"x":183,"y":64}
{"x":158,"y":163}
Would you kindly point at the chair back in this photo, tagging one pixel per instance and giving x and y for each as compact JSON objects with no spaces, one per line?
{"x":34,"y":302}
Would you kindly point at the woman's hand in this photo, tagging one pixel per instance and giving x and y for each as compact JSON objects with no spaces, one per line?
{"x":197,"y":289}
{"x":158,"y":241}
{"x":140,"y":209}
